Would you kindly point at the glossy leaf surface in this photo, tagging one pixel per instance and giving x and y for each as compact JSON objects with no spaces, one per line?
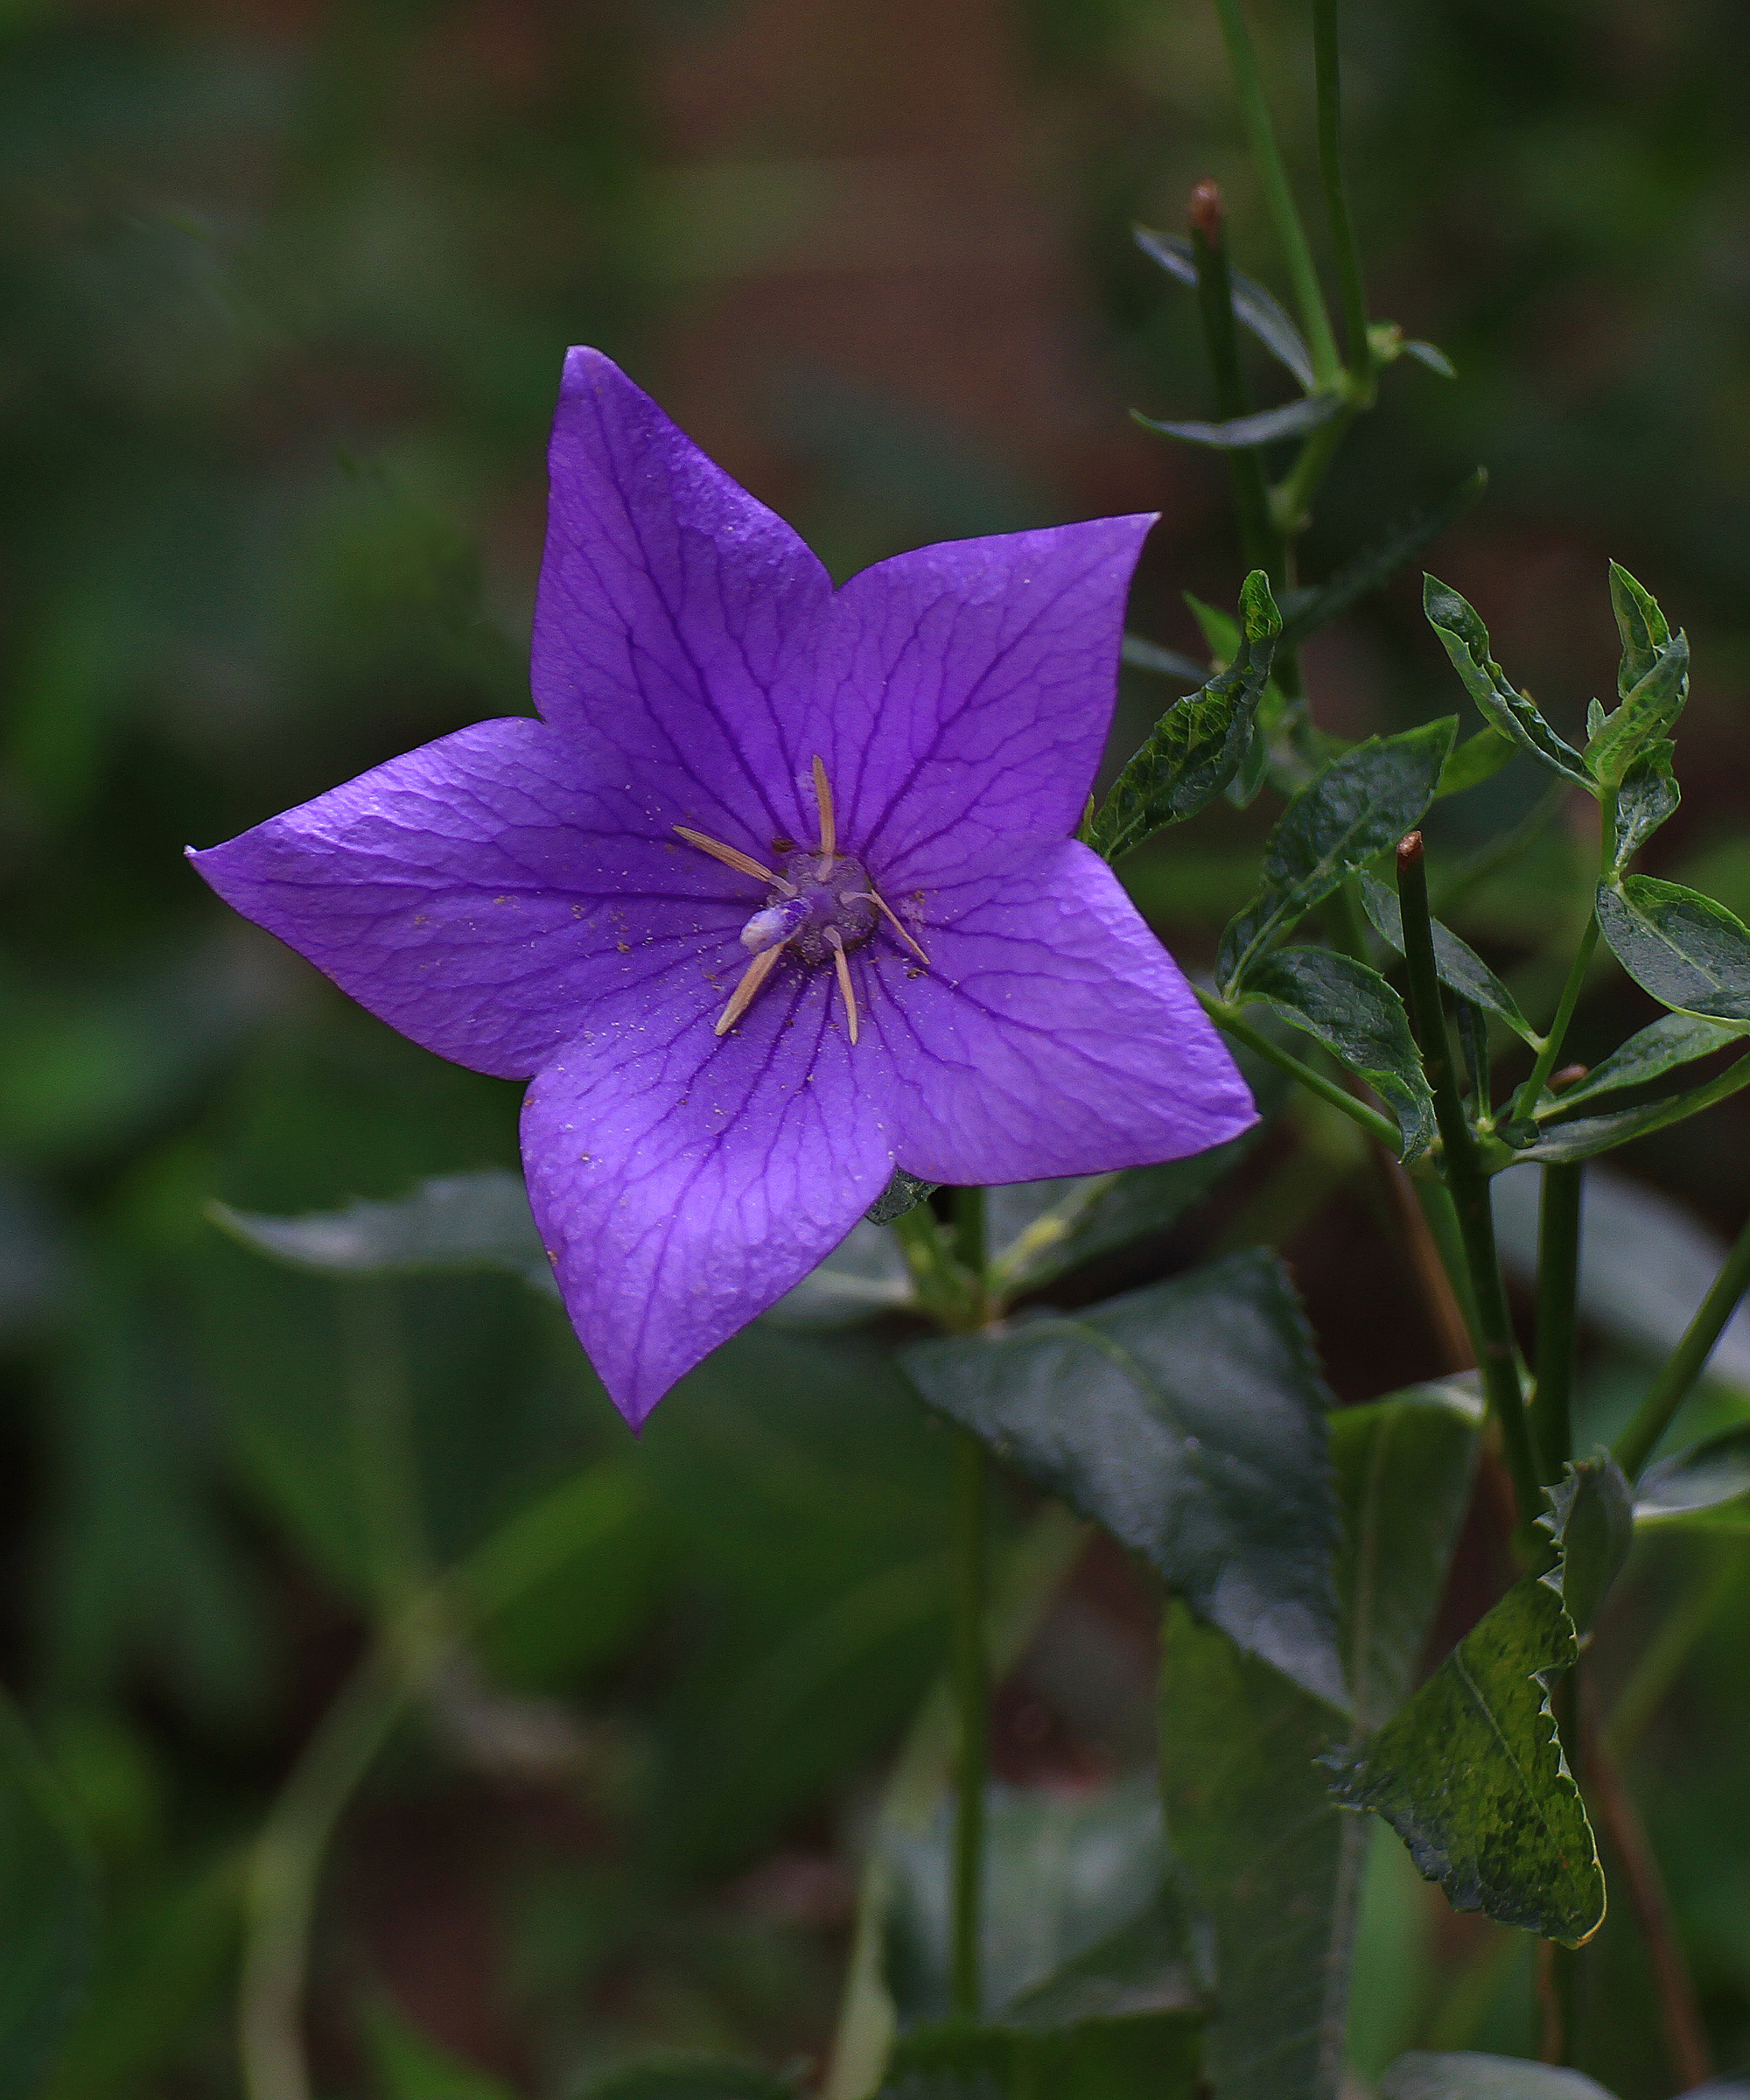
{"x":1674,"y":1040}
{"x":1587,"y":1136}
{"x":1361,"y":803}
{"x":1189,"y":1419}
{"x":1708,"y":1485}
{"x":1292,"y":419}
{"x":1461,"y":969}
{"x":1466,"y":640}
{"x":1681,"y":947}
{"x":1646,"y":796}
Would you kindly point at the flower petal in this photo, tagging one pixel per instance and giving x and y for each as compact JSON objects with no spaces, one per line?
{"x":670,"y":603}
{"x":683,"y":1182}
{"x":1052,"y":1034}
{"x":478,"y":894}
{"x":965,"y":692}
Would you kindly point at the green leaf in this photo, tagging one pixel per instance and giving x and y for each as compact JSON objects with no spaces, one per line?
{"x":1681,"y":947}
{"x":1432,"y":355}
{"x":1357,"y":1015}
{"x":1708,"y":1485}
{"x":1197,"y":744}
{"x":1673,"y":1039}
{"x":681,"y":2076}
{"x":1069,"y":1222}
{"x":1292,"y":419}
{"x":863,"y":1278}
{"x":1652,"y":682}
{"x":1272,"y":1859}
{"x":1376,"y":565}
{"x":48,"y":1912}
{"x":1461,"y":969}
{"x":1466,"y":640}
{"x":1462,"y":2075}
{"x":1142,"y":655}
{"x":1591,"y":1513}
{"x":1359,"y":805}
{"x":904,"y":1191}
{"x":1647,"y":795}
{"x":473,"y":1221}
{"x":1478,"y":759}
{"x":1253,"y":307}
{"x":1645,"y":632}
{"x":1189,"y":1419}
{"x":1470,"y":1773}
{"x":410,"y":2065}
{"x":1587,"y":1136}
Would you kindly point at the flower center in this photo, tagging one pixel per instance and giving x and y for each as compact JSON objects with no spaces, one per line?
{"x":809,"y":904}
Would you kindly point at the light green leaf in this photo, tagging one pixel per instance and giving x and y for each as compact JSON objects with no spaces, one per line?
{"x":1357,"y":1015}
{"x":1466,"y":640}
{"x":1707,"y":1486}
{"x":1647,"y":794}
{"x":1645,"y":632}
{"x":473,"y":1221}
{"x":1652,"y":682}
{"x":1358,"y":806}
{"x":1378,"y":564}
{"x":48,"y":1912}
{"x":1197,"y":744}
{"x":1662,"y":1046}
{"x":1189,"y":1419}
{"x":1253,"y":307}
{"x":1292,"y":419}
{"x":1142,"y":655}
{"x":1681,"y":947}
{"x":1461,"y":2076}
{"x":1592,"y":1514}
{"x":1470,"y":1773}
{"x":1587,"y":1136}
{"x":1461,"y":968}
{"x":1272,"y":1859}
{"x":1432,"y":356}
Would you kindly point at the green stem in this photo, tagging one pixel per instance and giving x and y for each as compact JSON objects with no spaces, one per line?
{"x":1255,"y":113}
{"x":1328,"y":64}
{"x":1558,"y":1276}
{"x":968,"y":1232}
{"x":1526,"y":1100}
{"x":1686,"y":1363}
{"x":1261,"y":543}
{"x":971,"y":1699}
{"x":1232,"y":1023}
{"x":1436,"y":1199}
{"x":384,"y":1464}
{"x":1493,"y":1331}
{"x":1291,"y":501}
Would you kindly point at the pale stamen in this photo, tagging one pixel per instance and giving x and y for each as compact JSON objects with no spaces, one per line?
{"x":892,"y":917}
{"x":834,"y":940}
{"x":829,"y":824}
{"x":732,"y":857}
{"x":751,"y":978}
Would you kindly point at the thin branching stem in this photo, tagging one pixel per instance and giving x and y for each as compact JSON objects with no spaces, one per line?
{"x":1328,"y":69}
{"x":1233,"y":1024}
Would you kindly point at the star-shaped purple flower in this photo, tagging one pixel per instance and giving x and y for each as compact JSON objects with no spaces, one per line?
{"x":778,"y":892}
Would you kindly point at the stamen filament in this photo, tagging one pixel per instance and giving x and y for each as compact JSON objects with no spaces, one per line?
{"x":732,"y":857}
{"x":829,"y":823}
{"x":751,"y":978}
{"x":835,"y":942}
{"x":892,"y":917}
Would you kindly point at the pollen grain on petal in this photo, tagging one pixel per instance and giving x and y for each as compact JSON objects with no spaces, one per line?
{"x":742,"y":997}
{"x":731,"y":857}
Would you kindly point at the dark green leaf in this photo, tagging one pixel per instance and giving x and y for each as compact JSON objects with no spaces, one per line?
{"x":1198,"y":743}
{"x":1376,"y":565}
{"x":1591,"y":1513}
{"x":1361,"y":804}
{"x":1461,"y":2076}
{"x":474,"y":1221}
{"x":1153,"y":2053}
{"x":1646,"y":632}
{"x":1272,"y":1859}
{"x":1356,"y":1015}
{"x":688,"y":2077}
{"x":1478,"y":759}
{"x":904,"y":1191}
{"x":1461,"y":969}
{"x":1673,"y":1039}
{"x":1647,"y":794}
{"x":1253,"y":307}
{"x":1432,"y":355}
{"x":1466,"y":640}
{"x":48,"y":1907}
{"x":1189,"y":1420}
{"x":1166,"y":663}
{"x":1470,"y":1773}
{"x":1646,"y":712}
{"x":1709,"y":1484}
{"x":1292,"y":419}
{"x":1587,"y":1136}
{"x":1681,"y":947}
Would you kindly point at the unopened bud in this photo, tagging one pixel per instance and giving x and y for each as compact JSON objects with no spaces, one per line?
{"x":1570,"y":1075}
{"x":1205,"y":211}
{"x":1410,"y":850}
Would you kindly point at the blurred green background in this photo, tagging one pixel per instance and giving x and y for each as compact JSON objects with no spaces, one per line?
{"x":284,"y":293}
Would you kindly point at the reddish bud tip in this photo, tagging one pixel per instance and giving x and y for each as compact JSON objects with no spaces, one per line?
{"x":1205,"y":211}
{"x":1570,"y":1075}
{"x":1410,"y":850}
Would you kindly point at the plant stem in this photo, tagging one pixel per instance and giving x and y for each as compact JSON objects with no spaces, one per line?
{"x":971,"y":1698}
{"x":969,"y":1234}
{"x":1493,"y":1331}
{"x":1686,"y":1363}
{"x":1558,"y":1276}
{"x":1327,"y":60}
{"x":1370,"y":1120}
{"x":1526,"y":1100}
{"x":1255,"y":113}
{"x":1215,"y":300}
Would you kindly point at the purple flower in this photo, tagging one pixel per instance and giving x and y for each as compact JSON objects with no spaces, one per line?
{"x":778,"y":892}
